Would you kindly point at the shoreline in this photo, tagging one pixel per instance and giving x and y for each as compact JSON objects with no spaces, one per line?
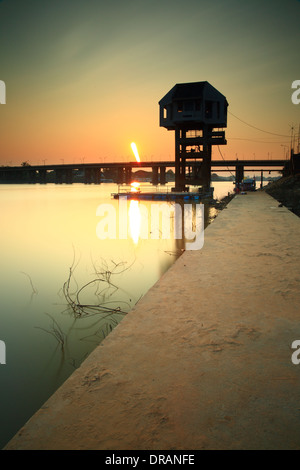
{"x":286,"y":191}
{"x":218,"y":205}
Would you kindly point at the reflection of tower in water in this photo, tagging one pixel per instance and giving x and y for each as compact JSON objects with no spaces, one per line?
{"x":182,"y":223}
{"x":134,"y":214}
{"x":180,"y":243}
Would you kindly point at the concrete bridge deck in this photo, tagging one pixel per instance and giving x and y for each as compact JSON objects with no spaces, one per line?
{"x":204,"y":359}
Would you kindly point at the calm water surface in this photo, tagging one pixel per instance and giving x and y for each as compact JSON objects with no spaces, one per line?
{"x":45,"y":231}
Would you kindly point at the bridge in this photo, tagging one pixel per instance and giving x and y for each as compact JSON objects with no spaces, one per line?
{"x":124,"y":171}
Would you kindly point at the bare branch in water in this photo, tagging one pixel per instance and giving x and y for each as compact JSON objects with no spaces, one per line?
{"x":107,"y":311}
{"x":104,"y":278}
{"x":30,"y":280}
{"x":55,"y":331}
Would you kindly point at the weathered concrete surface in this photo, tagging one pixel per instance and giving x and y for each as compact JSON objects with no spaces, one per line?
{"x":204,"y":360}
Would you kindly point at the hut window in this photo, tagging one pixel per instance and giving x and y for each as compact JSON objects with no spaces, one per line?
{"x":188,"y":105}
{"x":208,"y":109}
{"x":165,"y":112}
{"x":198,"y":105}
{"x":180,"y":106}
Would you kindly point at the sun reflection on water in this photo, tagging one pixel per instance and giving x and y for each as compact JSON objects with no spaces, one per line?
{"x":134,"y":220}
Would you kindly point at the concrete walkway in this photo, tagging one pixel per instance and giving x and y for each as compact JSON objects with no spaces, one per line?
{"x":204,"y":360}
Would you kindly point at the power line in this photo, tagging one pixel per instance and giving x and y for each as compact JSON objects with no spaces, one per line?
{"x":224,"y":161}
{"x":257,"y":128}
{"x":258,"y":141}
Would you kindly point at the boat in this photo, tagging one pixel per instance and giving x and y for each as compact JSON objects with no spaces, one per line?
{"x":248,"y":184}
{"x":157,"y":196}
{"x":133,"y":191}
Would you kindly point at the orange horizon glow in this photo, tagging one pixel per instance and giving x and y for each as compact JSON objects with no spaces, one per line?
{"x":77,"y":92}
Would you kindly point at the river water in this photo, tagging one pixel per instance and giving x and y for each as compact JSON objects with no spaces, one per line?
{"x":52,"y":259}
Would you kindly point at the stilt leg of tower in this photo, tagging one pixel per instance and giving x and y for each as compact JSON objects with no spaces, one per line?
{"x":192,"y":157}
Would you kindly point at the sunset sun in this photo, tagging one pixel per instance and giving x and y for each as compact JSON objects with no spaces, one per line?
{"x":135,"y":151}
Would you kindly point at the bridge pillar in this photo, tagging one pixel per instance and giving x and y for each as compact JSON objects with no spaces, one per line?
{"x":128,"y":175}
{"x":58,"y":176}
{"x":120,"y":176}
{"x":32,"y":176}
{"x":87,"y":176}
{"x":97,"y":175}
{"x":42,"y":176}
{"x":239,"y":173}
{"x":162,"y":175}
{"x":261,"y":178}
{"x":155,"y":175}
{"x":69,"y":176}
{"x":7,"y":176}
{"x":15,"y":176}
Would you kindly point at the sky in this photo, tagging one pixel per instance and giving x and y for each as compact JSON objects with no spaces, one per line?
{"x":84,"y":77}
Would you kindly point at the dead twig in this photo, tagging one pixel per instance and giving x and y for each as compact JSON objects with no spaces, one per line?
{"x":55,"y":331}
{"x":31,"y":283}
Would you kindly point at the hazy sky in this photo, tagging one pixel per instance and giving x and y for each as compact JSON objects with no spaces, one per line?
{"x":83,"y":78}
